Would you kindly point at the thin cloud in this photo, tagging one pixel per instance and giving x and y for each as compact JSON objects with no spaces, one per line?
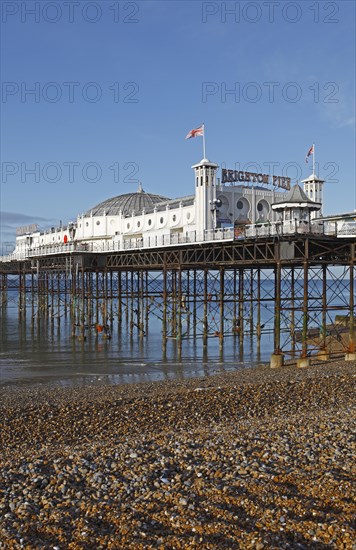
{"x":339,"y":115}
{"x":14,"y":218}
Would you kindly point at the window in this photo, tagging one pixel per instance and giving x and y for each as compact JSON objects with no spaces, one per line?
{"x":98,"y":222}
{"x":149,"y":222}
{"x":260,"y":207}
{"x":161,"y":219}
{"x":188,"y":216}
{"x":174,"y":217}
{"x":240,"y":205}
{"x":128,"y":226}
{"x":138,"y":224}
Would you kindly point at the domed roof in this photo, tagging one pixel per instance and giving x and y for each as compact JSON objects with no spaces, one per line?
{"x":127,"y":204}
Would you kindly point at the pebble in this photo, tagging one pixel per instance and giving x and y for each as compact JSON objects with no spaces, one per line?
{"x":262,"y":459}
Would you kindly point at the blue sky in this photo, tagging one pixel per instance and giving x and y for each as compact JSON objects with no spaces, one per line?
{"x":117,"y":86}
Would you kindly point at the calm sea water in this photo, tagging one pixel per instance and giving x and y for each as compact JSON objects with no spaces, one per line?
{"x":37,"y":350}
{"x":45,"y":354}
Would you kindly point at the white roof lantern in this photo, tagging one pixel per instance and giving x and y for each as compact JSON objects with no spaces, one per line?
{"x":311,"y":179}
{"x":205,"y":162}
{"x":296,"y":198}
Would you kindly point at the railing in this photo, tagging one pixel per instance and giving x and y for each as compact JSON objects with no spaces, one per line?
{"x":276,"y":229}
{"x":179,"y":238}
{"x":189,"y":237}
{"x":47,"y":250}
{"x":15,"y":256}
{"x":347,"y":231}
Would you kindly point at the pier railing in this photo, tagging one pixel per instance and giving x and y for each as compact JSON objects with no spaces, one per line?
{"x":290,"y":228}
{"x":276,"y":229}
{"x":189,"y":237}
{"x":156,"y":241}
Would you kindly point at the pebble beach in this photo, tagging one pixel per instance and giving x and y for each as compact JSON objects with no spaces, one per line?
{"x":256,"y":458}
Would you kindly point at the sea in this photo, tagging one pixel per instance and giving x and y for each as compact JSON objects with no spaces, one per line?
{"x":37,"y":349}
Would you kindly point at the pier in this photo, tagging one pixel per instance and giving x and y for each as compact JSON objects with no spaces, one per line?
{"x":216,"y":289}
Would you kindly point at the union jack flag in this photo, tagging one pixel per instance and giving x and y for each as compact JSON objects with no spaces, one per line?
{"x":195,"y":132}
{"x":311,"y":150}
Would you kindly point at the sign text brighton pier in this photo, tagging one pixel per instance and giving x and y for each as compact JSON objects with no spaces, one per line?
{"x":229,"y":176}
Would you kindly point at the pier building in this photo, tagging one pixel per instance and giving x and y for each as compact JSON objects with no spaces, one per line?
{"x":204,"y":265}
{"x":218,"y":208}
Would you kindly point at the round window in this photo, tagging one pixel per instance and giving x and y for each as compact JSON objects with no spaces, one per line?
{"x":240,"y":205}
{"x":149,"y":222}
{"x":188,"y":216}
{"x":260,"y":207}
{"x":98,"y":222}
{"x":128,"y":226}
{"x":174,"y":217}
{"x":161,"y":220}
{"x":87,"y":224}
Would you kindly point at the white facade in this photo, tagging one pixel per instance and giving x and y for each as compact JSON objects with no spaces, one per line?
{"x":246,"y":205}
{"x":313,"y":187}
{"x":113,"y":224}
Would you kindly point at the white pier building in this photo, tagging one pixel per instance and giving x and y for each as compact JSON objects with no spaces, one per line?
{"x":241,"y":204}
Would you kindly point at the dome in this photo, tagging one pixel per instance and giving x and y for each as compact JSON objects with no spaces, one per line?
{"x":127,"y":204}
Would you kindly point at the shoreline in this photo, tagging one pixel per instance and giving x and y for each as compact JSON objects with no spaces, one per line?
{"x":256,"y":458}
{"x":250,"y":371}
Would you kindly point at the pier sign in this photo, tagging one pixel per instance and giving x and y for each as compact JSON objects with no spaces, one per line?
{"x":231,"y":176}
{"x":32,"y":228}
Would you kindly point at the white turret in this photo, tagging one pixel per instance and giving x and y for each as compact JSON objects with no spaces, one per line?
{"x":313,"y":188}
{"x":205,"y":194}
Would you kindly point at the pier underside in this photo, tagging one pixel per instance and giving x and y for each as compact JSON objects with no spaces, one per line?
{"x":298,"y":290}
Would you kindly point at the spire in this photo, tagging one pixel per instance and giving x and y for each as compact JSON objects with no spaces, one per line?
{"x":140,"y":190}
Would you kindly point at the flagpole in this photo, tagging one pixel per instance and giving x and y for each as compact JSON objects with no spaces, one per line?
{"x":314,"y":158}
{"x":204,"y":152}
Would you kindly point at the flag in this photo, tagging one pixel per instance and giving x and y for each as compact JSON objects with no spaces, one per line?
{"x":311,"y":150}
{"x":195,"y":132}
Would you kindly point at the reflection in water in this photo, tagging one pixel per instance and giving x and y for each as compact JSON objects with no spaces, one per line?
{"x":38,"y":349}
